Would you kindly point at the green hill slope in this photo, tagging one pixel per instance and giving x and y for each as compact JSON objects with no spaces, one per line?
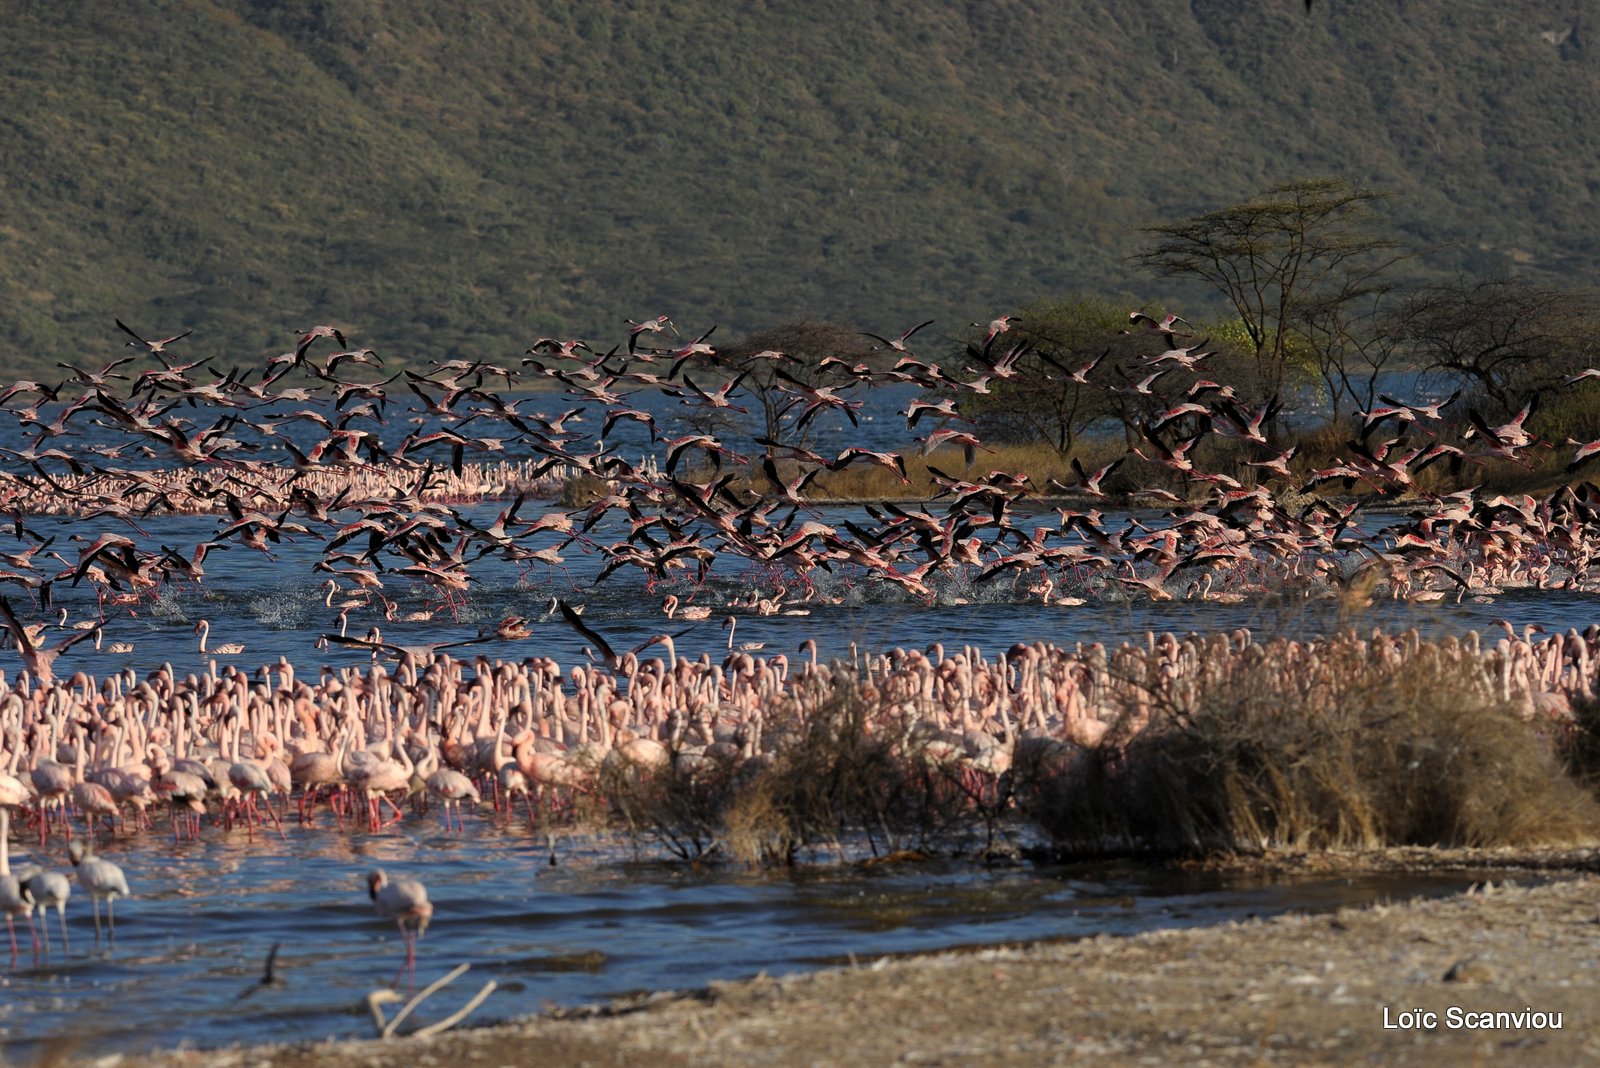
{"x":461,"y":178}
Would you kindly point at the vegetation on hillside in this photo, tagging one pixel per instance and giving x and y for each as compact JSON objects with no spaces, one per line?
{"x":460,"y":179}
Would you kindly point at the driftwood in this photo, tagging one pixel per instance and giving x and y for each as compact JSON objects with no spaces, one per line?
{"x":386,"y":1028}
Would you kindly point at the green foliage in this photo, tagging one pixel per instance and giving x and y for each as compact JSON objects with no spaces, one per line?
{"x":1275,"y":256}
{"x":1042,"y":403}
{"x":458,"y":180}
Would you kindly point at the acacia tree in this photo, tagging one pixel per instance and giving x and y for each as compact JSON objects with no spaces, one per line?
{"x":1509,"y":337}
{"x":797,"y":349}
{"x":1041,"y":402}
{"x":1354,"y":342}
{"x":1084,"y":370}
{"x":1296,"y":246}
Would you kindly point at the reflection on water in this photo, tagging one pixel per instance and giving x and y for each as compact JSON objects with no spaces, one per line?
{"x":602,"y":922}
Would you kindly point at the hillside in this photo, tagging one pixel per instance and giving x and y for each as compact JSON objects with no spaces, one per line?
{"x":458,"y":179}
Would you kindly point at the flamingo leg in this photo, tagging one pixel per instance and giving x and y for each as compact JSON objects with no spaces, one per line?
{"x":275,"y":819}
{"x":409,"y":938}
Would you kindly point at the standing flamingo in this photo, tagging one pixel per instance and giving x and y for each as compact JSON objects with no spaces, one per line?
{"x":451,"y":788}
{"x":406,"y":901}
{"x":250,"y":778}
{"x":100,"y":878}
{"x":14,"y":901}
{"x":46,"y":889}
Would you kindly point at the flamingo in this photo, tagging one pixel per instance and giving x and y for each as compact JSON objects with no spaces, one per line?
{"x":451,"y":788}
{"x":93,"y":799}
{"x":378,"y":778}
{"x":406,"y":902}
{"x":100,"y":879}
{"x":730,"y":625}
{"x":898,"y":344}
{"x":997,"y":327}
{"x":47,"y":889}
{"x":183,"y":790}
{"x":250,"y":778}
{"x":51,"y":783}
{"x":203,"y":628}
{"x":155,"y":347}
{"x":38,"y":660}
{"x":674,"y":609}
{"x":14,"y":900}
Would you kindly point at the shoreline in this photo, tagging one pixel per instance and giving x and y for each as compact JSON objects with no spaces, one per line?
{"x":1321,"y":988}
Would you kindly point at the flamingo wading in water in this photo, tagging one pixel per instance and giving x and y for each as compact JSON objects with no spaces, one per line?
{"x":406,"y":902}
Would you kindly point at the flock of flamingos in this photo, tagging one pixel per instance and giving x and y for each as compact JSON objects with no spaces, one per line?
{"x":305,"y":450}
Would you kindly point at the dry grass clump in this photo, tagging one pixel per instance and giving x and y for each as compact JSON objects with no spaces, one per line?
{"x":843,"y":764}
{"x":680,"y":805}
{"x":1579,"y":742}
{"x":835,"y":774}
{"x":1344,"y":750}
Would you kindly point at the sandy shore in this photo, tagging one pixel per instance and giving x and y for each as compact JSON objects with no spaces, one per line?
{"x":1290,"y":990}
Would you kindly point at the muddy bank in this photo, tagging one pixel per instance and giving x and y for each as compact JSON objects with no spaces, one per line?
{"x":1291,"y":990}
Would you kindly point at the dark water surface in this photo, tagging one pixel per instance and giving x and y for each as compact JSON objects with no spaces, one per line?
{"x":602,"y":922}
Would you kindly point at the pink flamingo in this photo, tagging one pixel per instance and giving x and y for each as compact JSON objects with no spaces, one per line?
{"x":406,"y":902}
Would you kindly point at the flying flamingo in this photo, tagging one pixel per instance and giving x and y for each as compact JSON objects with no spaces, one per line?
{"x":155,"y":347}
{"x":37,"y":659}
{"x":997,"y":327}
{"x":898,"y":344}
{"x":1163,"y":326}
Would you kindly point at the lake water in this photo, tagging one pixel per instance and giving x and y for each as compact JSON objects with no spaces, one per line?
{"x":603,"y":920}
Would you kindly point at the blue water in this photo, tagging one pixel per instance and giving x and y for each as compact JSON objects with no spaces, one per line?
{"x":601,"y":923}
{"x":276,"y":608}
{"x":605,"y":919}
